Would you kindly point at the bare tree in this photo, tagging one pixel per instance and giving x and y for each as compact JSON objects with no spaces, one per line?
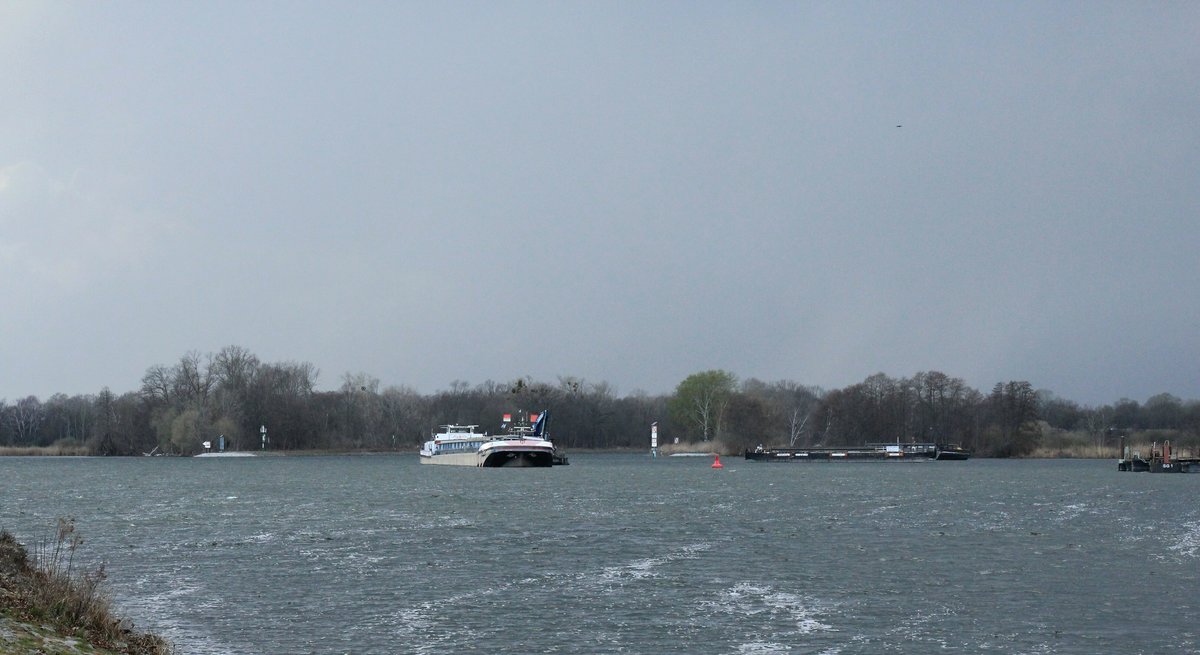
{"x":796,"y":429}
{"x":25,"y":418}
{"x":157,"y":384}
{"x":194,"y":379}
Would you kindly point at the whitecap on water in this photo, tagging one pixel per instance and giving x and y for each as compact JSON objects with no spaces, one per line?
{"x":793,"y":613}
{"x":756,"y":647}
{"x":261,"y":538}
{"x":1188,"y":542}
{"x":636,"y":570}
{"x":162,"y":610}
{"x":645,"y":568}
{"x":882,"y":509}
{"x":1068,"y":512}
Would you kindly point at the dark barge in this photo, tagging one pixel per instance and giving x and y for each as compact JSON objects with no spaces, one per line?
{"x":910,"y":452}
{"x":1160,"y":460}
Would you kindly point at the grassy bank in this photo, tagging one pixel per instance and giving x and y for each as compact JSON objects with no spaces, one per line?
{"x":44,"y":451}
{"x":1073,"y":452}
{"x":49,"y":605}
{"x":1059,"y":444}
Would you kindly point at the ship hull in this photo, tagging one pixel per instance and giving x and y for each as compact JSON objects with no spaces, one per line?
{"x":451,"y":459}
{"x":517,"y":459}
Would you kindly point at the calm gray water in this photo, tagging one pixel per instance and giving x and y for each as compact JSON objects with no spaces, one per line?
{"x":624,"y":554}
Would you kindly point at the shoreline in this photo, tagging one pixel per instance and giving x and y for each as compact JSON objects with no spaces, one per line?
{"x":48,"y":607}
{"x":27,"y":452}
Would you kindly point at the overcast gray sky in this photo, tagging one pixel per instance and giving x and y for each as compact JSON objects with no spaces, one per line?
{"x":623,"y":192}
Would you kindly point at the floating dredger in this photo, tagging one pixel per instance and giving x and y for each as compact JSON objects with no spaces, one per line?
{"x":1160,"y":460}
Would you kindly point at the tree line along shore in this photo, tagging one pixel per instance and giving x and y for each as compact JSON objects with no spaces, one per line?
{"x":256,"y":405}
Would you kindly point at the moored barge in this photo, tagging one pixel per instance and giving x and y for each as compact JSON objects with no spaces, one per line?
{"x":891,"y":452}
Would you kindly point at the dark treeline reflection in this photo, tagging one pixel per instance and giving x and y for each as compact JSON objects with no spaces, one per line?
{"x":233,"y":394}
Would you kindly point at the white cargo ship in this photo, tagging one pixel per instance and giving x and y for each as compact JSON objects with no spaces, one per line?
{"x":461,"y":445}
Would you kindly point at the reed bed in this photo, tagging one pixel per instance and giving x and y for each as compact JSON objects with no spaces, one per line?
{"x":45,"y":451}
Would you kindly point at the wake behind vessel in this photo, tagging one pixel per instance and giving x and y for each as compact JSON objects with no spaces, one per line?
{"x":522,"y":446}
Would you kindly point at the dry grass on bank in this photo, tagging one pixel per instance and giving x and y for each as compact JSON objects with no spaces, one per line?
{"x":48,"y":588}
{"x":44,"y":451}
{"x":1080,"y":445}
{"x":1073,"y":451}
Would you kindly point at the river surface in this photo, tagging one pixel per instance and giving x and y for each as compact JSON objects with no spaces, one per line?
{"x":626,"y":554}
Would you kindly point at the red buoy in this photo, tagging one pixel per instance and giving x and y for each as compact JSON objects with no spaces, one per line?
{"x":717,"y":462}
